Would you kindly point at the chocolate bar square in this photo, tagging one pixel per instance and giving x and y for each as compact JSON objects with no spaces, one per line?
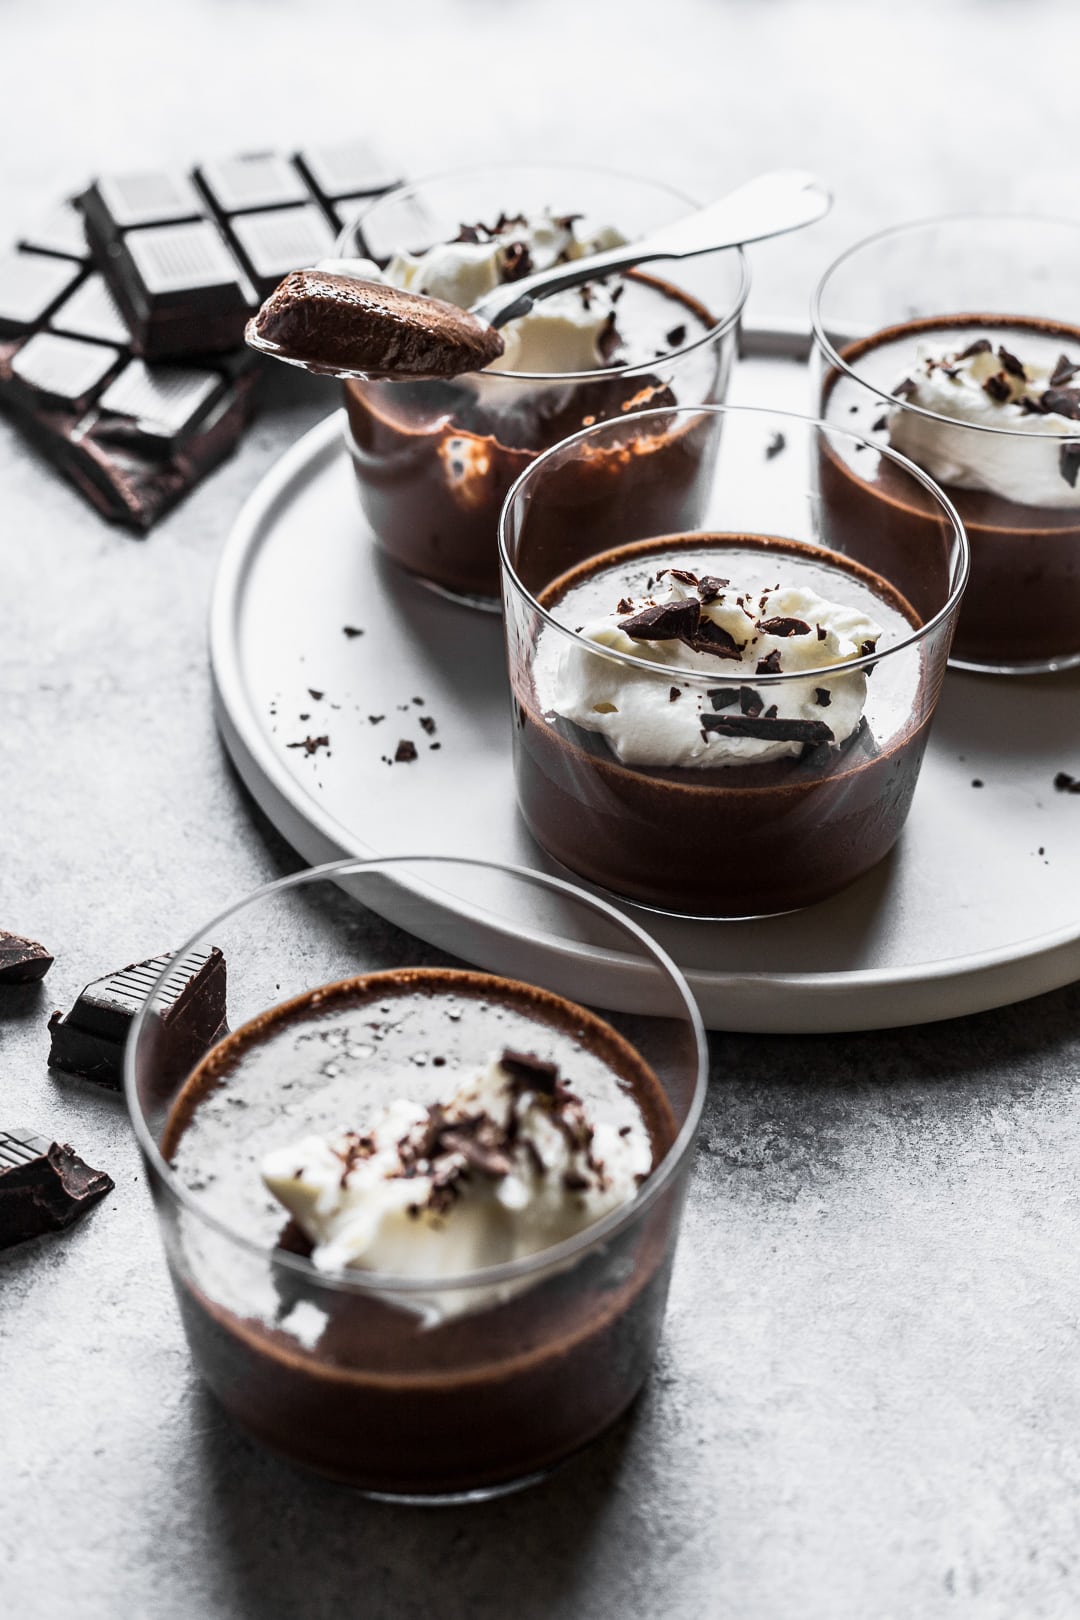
{"x":153,"y":197}
{"x":346,"y":169}
{"x":264,"y":180}
{"x":63,"y":369}
{"x":44,"y":1186}
{"x":92,"y":312}
{"x":283,"y":239}
{"x":32,"y":284}
{"x":162,"y":402}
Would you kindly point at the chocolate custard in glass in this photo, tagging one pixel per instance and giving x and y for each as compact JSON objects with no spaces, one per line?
{"x":420,"y":1219}
{"x":956,"y":341}
{"x":434,"y":460}
{"x":723,"y":719}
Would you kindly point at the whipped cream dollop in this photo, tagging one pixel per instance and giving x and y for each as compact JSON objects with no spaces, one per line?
{"x":709,"y":626}
{"x":985,"y":385}
{"x":508,"y":1166}
{"x":570,"y":331}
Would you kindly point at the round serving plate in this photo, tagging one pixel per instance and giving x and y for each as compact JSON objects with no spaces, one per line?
{"x":978,"y":905}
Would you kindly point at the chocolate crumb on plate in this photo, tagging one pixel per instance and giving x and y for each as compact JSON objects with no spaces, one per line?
{"x":1064,"y":783}
{"x":427,"y":724}
{"x":310,"y":745}
{"x":977,"y":782}
{"x":351,"y":630}
{"x":405,"y":752}
{"x":22,"y":961}
{"x":44,"y":1186}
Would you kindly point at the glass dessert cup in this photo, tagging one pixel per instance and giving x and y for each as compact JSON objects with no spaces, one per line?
{"x":433,"y":460}
{"x":647,"y":778}
{"x":949,"y":283}
{"x":457,"y":1386}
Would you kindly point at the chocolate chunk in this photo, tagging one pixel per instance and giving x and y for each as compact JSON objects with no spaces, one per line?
{"x":529,"y":1072}
{"x":427,"y":724}
{"x":770,"y":664}
{"x":683,"y":575}
{"x":1062,"y":402}
{"x":338,"y":323}
{"x":89,"y":1041}
{"x":767,"y":728}
{"x":723,"y":697}
{"x":1064,"y":783}
{"x":624,"y":605}
{"x":749,"y":701}
{"x":351,"y":631}
{"x":674,"y":692}
{"x":867,"y":648}
{"x":710,"y":586}
{"x":516,"y":261}
{"x":405,"y":752}
{"x":980,"y":346}
{"x":667,"y":621}
{"x":998,"y":388}
{"x":775,"y":445}
{"x":1011,"y":364}
{"x":880,"y":425}
{"x":781,"y":626}
{"x":677,"y":336}
{"x":904,"y":389}
{"x":823,"y":696}
{"x":1064,"y":371}
{"x":22,"y":961}
{"x":714,"y":639}
{"x":820,"y":628}
{"x":44,"y":1186}
{"x":1069,"y":463}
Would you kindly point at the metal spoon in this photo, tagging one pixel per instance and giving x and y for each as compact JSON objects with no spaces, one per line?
{"x":782,"y":200}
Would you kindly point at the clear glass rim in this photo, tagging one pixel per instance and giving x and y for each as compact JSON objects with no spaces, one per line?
{"x":836,"y":360}
{"x":708,"y":679}
{"x":375,"y":1282}
{"x":603,"y":374}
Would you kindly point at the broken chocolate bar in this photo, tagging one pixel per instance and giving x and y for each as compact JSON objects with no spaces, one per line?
{"x":189,"y":256}
{"x":44,"y":1186}
{"x":89,"y":1041}
{"x":22,"y":961}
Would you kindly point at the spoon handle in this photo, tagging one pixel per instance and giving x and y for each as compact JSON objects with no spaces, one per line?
{"x":782,"y":200}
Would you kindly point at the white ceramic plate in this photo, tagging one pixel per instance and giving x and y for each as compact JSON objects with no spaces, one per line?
{"x":977,"y":906}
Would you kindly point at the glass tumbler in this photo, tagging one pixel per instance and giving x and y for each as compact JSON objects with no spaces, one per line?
{"x":941,"y":285}
{"x":699,"y":776}
{"x":450,"y":1387}
{"x":434,"y":460}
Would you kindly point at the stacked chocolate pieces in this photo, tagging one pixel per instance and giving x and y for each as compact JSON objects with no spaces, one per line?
{"x":122,"y":316}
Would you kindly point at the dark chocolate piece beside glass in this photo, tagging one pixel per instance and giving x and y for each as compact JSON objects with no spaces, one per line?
{"x":22,"y":961}
{"x":89,"y":1040}
{"x":189,"y":256}
{"x":44,"y":1186}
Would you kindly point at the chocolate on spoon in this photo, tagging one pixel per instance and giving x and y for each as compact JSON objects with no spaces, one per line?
{"x":341,"y":326}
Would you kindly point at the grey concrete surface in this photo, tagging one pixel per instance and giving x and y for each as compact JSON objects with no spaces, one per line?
{"x":866,"y":1404}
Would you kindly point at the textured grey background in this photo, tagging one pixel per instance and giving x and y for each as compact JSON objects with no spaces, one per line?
{"x":866,"y":1404}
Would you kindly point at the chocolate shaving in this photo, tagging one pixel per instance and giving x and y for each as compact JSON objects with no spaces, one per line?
{"x":713,"y":638}
{"x":668,"y":621}
{"x":709,"y":587}
{"x":880,"y":425}
{"x":867,"y":648}
{"x":351,"y":631}
{"x":904,"y":389}
{"x":683,"y":575}
{"x":1011,"y":364}
{"x":749,"y":701}
{"x":1062,"y":402}
{"x":820,"y":628}
{"x":723,"y":697}
{"x":677,"y":336}
{"x":516,"y":261}
{"x":781,"y":626}
{"x":674,"y":692}
{"x":980,"y":346}
{"x":624,"y":605}
{"x":1069,"y":462}
{"x":770,"y":664}
{"x":823,"y":696}
{"x":997,"y":388}
{"x":1064,"y":371}
{"x":530,"y":1073}
{"x":767,"y":729}
{"x":775,"y":445}
{"x":427,"y":724}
